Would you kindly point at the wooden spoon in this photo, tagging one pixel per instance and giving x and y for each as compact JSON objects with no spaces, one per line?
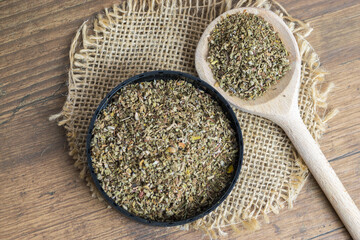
{"x":280,"y":105}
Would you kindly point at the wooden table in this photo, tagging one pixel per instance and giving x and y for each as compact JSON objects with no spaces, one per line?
{"x":42,"y":195}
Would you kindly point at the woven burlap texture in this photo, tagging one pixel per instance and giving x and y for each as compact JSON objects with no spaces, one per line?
{"x":139,"y":36}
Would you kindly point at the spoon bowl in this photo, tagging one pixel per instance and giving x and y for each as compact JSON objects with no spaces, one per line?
{"x":280,"y":105}
{"x":282,"y":94}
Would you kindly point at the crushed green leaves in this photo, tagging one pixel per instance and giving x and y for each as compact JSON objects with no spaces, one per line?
{"x":162,"y":150}
{"x":246,"y":55}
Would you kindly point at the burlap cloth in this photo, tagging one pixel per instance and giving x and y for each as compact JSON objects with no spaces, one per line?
{"x":141,"y":36}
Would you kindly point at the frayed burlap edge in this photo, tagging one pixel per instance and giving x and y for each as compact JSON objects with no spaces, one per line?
{"x":311,"y":67}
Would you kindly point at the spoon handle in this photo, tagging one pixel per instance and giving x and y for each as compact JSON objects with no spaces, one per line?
{"x":322,"y":172}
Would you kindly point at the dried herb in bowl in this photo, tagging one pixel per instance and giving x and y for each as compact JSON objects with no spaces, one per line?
{"x":246,"y":55}
{"x":163,"y":150}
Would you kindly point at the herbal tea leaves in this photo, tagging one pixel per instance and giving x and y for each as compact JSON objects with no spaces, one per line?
{"x":163,"y":150}
{"x":246,"y":55}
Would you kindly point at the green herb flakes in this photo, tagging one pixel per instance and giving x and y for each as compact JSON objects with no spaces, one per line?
{"x":162,"y":150}
{"x":246,"y":55}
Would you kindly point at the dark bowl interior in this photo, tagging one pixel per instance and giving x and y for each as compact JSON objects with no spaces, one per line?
{"x":198,"y":83}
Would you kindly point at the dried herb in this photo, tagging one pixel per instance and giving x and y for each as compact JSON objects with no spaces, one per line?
{"x":246,"y":55}
{"x":163,"y":150}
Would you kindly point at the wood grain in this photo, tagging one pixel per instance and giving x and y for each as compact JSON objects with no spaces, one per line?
{"x":42,"y":195}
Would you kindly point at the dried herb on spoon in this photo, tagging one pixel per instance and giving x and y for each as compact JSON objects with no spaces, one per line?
{"x":246,"y":55}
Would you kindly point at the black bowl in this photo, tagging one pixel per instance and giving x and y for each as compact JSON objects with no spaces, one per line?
{"x":198,"y":83}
